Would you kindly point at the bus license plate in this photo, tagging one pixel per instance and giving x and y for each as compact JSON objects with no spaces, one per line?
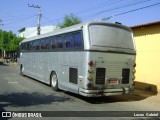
{"x":113,"y":81}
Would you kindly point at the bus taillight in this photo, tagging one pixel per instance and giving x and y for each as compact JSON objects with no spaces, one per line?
{"x":90,"y":74}
{"x":134,"y":71}
{"x":90,"y":63}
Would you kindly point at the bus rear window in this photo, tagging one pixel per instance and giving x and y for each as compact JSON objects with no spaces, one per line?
{"x":111,"y":36}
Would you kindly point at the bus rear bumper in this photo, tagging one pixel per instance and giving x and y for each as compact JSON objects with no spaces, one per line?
{"x":104,"y":92}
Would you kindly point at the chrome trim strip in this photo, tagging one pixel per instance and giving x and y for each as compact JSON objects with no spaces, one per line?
{"x":105,"y":92}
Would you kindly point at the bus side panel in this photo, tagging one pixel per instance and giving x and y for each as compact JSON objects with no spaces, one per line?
{"x":63,"y":66}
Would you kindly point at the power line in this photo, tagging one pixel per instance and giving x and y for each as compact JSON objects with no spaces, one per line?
{"x":137,"y":9}
{"x":121,"y":7}
{"x":20,"y":20}
{"x":104,"y":11}
{"x":6,"y":18}
{"x":128,"y":5}
{"x":87,"y":10}
{"x":97,"y":7}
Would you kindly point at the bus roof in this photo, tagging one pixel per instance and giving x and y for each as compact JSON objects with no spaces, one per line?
{"x":74,"y":28}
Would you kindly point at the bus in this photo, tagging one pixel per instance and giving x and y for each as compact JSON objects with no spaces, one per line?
{"x":92,"y":59}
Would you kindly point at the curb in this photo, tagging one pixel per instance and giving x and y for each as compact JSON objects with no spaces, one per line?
{"x":146,"y":86}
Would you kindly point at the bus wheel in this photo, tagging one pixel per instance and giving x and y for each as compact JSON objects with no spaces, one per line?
{"x":54,"y":81}
{"x":21,"y":70}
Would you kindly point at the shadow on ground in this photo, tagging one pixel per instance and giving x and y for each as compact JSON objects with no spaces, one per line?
{"x":137,"y":95}
{"x":29,"y":99}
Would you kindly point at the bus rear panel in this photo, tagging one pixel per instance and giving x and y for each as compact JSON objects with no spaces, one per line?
{"x":111,"y":60}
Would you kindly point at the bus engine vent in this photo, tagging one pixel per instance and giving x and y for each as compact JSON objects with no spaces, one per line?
{"x":73,"y":75}
{"x":125,"y":76}
{"x":100,"y":76}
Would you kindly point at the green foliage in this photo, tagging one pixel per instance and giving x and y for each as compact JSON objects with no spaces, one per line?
{"x":9,"y":41}
{"x":70,"y":20}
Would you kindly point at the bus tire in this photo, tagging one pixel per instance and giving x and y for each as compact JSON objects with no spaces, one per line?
{"x":21,"y":70}
{"x":54,"y":81}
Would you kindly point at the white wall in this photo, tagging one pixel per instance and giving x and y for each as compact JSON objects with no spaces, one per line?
{"x":32,"y":31}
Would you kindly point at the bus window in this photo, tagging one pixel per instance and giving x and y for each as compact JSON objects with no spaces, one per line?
{"x":22,"y":46}
{"x":47,"y":43}
{"x":42,"y":44}
{"x":37,"y":44}
{"x":77,"y":40}
{"x":53,"y":42}
{"x":59,"y":41}
{"x":28,"y":45}
{"x":69,"y":40}
{"x":25,"y":46}
{"x":34,"y":45}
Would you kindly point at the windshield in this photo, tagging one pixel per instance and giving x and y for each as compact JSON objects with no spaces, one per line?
{"x":111,"y":36}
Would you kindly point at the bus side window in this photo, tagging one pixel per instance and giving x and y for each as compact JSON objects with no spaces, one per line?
{"x":22,"y":46}
{"x":69,"y":40}
{"x":34,"y":45}
{"x":59,"y":42}
{"x":53,"y":42}
{"x":37,"y":44}
{"x":29,"y":46}
{"x":77,"y":40}
{"x":42,"y":44}
{"x":47,"y":43}
{"x":25,"y":46}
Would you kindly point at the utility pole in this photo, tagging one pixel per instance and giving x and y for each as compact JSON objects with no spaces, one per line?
{"x":39,"y":17}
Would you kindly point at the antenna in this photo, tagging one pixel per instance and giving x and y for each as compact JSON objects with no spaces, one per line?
{"x":107,"y":18}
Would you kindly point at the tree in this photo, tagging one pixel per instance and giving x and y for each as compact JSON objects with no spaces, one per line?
{"x":9,"y":42}
{"x":70,"y":20}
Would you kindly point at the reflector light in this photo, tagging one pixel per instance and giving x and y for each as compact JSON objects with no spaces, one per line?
{"x":134,"y":71}
{"x":133,"y":77}
{"x":91,"y":70}
{"x":90,"y":77}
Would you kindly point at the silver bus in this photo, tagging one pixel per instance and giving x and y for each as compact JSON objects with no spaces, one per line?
{"x":91,"y":59}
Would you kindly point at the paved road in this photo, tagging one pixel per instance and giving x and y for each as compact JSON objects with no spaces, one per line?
{"x":18,"y":93}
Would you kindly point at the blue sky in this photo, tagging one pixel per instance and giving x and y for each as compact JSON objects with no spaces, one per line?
{"x":15,"y":14}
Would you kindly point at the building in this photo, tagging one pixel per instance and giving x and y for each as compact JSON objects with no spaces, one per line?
{"x":32,"y":31}
{"x":147,"y":39}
